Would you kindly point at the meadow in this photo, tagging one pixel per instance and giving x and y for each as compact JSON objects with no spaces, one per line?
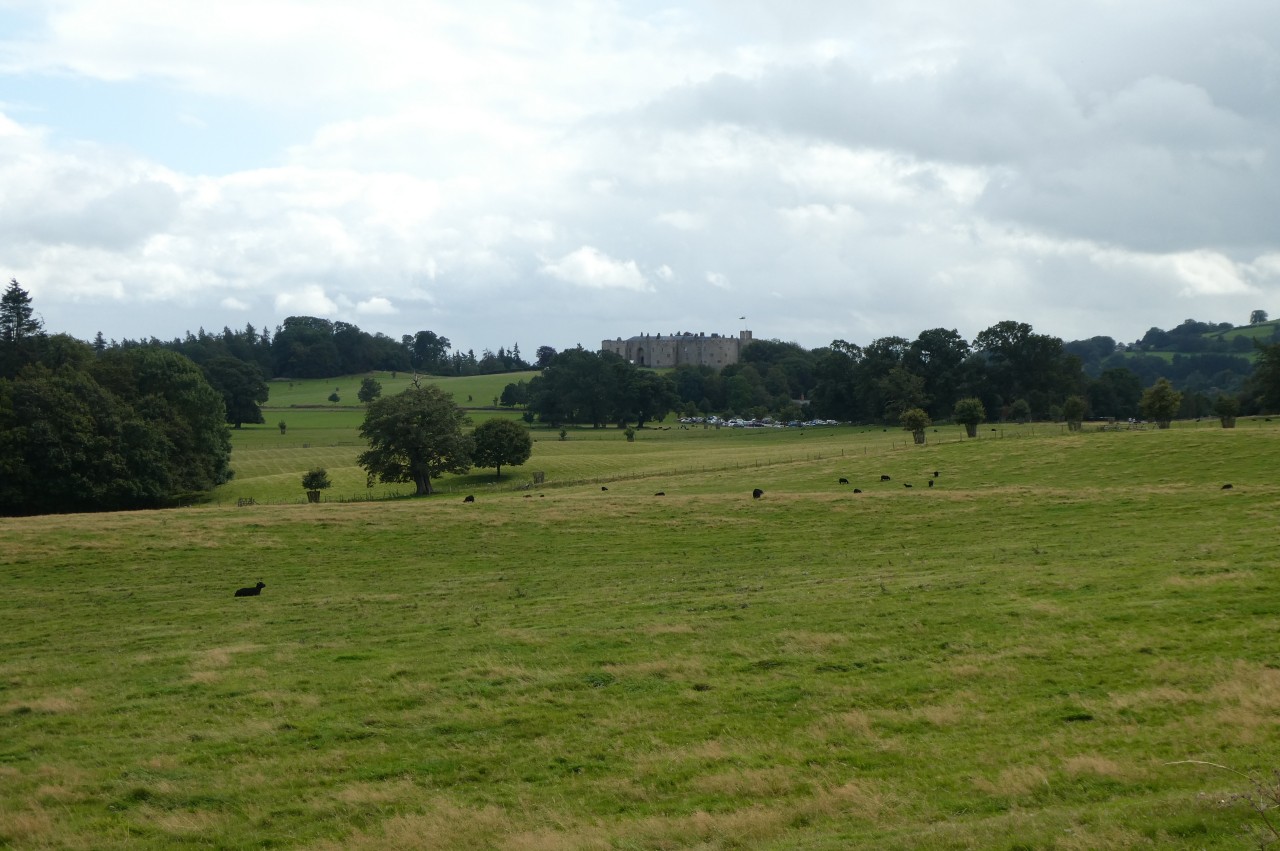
{"x":1023,"y":655}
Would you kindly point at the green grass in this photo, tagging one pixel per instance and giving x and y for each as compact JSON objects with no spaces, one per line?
{"x":468,"y":391}
{"x":1010,"y":659}
{"x":1261,"y":331}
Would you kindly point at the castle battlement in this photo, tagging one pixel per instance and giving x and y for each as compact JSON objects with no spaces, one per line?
{"x":666,"y":350}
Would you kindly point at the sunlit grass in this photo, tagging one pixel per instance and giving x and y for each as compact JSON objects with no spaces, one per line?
{"x":1009,"y":658}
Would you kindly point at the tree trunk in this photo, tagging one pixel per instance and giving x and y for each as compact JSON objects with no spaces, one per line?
{"x":499,"y":471}
{"x":1162,"y":424}
{"x":919,"y":437}
{"x":424,"y":484}
{"x":1228,"y":422}
{"x":1073,"y":425}
{"x":971,"y":429}
{"x":313,"y":496}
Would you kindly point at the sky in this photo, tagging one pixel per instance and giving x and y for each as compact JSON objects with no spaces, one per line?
{"x":560,"y":172}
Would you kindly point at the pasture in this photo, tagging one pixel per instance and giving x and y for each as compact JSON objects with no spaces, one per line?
{"x":1012,"y":658}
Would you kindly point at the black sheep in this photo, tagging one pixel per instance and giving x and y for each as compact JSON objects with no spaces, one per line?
{"x":757,"y":493}
{"x":468,"y":498}
{"x":251,"y":592}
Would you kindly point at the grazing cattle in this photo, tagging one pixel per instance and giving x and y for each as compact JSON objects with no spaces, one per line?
{"x":468,"y":498}
{"x":1227,"y":486}
{"x":935,"y":474}
{"x":906,"y":484}
{"x":857,"y":490}
{"x":603,"y":488}
{"x":931,"y":483}
{"x":884,"y":478}
{"x":660,"y":493}
{"x":251,"y":592}
{"x":844,"y":481}
{"x":528,"y":496}
{"x":757,"y":493}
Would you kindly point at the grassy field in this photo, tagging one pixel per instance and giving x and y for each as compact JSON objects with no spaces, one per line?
{"x":1012,"y":658}
{"x":468,"y":391}
{"x":269,"y":463}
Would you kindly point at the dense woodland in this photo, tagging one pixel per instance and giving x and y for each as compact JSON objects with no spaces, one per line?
{"x":130,"y":424}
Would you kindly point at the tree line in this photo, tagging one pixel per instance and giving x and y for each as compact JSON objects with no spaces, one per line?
{"x":90,"y":427}
{"x":312,"y":347}
{"x":1012,"y":371}
{"x":82,"y":430}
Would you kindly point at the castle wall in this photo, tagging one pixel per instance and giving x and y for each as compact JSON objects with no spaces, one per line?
{"x":668,"y":350}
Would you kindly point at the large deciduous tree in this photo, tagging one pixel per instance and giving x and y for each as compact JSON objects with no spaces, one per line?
{"x":242,"y":386}
{"x":132,"y":429}
{"x":415,"y":436}
{"x":499,"y":442}
{"x":168,"y":389}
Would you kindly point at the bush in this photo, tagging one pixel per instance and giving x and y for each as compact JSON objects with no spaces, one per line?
{"x":316,"y":479}
{"x":915,"y":420}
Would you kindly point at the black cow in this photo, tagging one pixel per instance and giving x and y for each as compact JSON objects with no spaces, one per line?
{"x":857,"y":490}
{"x":884,"y":478}
{"x":757,"y":493}
{"x":251,"y":592}
{"x":844,"y":481}
{"x":660,"y":493}
{"x":468,"y":498}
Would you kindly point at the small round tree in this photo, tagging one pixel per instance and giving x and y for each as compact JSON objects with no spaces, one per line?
{"x":370,"y":389}
{"x":969,"y":412}
{"x":284,"y":426}
{"x":501,"y":441}
{"x":1160,"y":403}
{"x":1073,"y":412}
{"x":314,"y":481}
{"x":334,"y":397}
{"x":1227,"y":408}
{"x":1020,"y":410}
{"x":915,"y":420}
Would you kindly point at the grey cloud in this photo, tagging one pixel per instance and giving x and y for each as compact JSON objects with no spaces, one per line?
{"x":119,"y":220}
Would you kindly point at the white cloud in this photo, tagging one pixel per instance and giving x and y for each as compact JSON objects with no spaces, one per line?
{"x":452,"y":159}
{"x":589,"y":267}
{"x":306,"y":301}
{"x":682,"y":220}
{"x":376,"y":306}
{"x":718,"y":280}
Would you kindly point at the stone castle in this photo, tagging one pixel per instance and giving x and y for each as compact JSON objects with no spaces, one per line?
{"x":664,"y":350}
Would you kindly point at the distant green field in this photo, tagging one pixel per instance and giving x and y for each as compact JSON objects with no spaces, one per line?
{"x":1260,"y":331}
{"x":1023,"y":655}
{"x":468,"y":391}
